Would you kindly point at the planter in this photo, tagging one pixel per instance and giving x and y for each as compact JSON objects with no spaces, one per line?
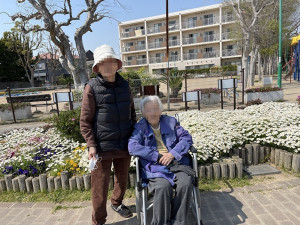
{"x":22,"y":113}
{"x":264,"y":96}
{"x":210,"y":99}
{"x":149,"y":90}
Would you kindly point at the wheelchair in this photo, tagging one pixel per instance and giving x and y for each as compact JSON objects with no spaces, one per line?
{"x":144,"y":201}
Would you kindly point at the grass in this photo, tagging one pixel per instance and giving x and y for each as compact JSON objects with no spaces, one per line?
{"x":60,"y":207}
{"x":58,"y":196}
{"x":213,"y":185}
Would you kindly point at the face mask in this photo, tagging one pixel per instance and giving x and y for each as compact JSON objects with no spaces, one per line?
{"x":92,"y":163}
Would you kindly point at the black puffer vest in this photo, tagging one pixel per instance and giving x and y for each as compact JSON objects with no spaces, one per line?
{"x":112,"y":121}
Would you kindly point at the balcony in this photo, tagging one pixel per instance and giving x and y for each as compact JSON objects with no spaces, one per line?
{"x":210,"y":38}
{"x":141,"y":61}
{"x":211,"y":54}
{"x":191,"y":24}
{"x":174,"y":43}
{"x":210,"y":21}
{"x":228,"y":18}
{"x":160,"y":44}
{"x":154,"y":30}
{"x":158,"y":59}
{"x":135,"y":62}
{"x":192,"y":40}
{"x":231,"y":52}
{"x":192,"y":56}
{"x":134,"y":48}
{"x":135,"y":33}
{"x":174,"y":58}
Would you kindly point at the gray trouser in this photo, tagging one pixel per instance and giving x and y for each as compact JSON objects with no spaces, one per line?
{"x":166,"y":208}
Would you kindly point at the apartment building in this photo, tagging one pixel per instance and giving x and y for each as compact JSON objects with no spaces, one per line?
{"x":198,"y":38}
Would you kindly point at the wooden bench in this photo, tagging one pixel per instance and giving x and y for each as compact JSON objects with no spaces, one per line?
{"x":32,"y":98}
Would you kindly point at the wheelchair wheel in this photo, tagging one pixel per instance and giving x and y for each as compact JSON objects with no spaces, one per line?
{"x":138,"y":204}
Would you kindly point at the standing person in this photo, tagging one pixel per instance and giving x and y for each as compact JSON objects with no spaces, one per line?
{"x":106,"y":123}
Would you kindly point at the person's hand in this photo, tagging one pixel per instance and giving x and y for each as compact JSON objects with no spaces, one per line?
{"x":166,"y":159}
{"x":92,"y":153}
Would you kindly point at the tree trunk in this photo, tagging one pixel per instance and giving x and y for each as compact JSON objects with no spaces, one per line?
{"x":260,"y":69}
{"x":252,"y":66}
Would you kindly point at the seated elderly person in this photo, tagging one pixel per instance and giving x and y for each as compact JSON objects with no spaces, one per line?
{"x":162,"y":144}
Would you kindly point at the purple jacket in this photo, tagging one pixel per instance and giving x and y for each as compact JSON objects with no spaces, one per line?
{"x":143,"y":144}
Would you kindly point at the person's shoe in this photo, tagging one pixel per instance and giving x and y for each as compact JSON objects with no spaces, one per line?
{"x":122,"y":210}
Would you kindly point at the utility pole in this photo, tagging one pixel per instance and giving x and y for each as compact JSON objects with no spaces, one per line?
{"x":280,"y":40}
{"x":167,"y":44}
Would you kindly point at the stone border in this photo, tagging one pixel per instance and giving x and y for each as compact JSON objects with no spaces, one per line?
{"x":44,"y":183}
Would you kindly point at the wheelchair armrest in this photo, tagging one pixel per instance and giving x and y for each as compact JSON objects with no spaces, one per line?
{"x":193,"y":149}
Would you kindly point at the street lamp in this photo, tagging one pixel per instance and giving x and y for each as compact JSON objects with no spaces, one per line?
{"x":167,"y":44}
{"x":280,"y":40}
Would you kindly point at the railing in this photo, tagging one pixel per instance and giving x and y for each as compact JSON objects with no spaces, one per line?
{"x":157,"y":44}
{"x":190,"y":56}
{"x":211,"y":54}
{"x":174,"y":58}
{"x":231,"y":52}
{"x":158,"y":59}
{"x":212,"y":37}
{"x":153,"y":30}
{"x":134,"y":33}
{"x":210,"y":21}
{"x":191,"y":24}
{"x":190,"y":40}
{"x":134,"y":48}
{"x":174,"y":42}
{"x":141,"y":61}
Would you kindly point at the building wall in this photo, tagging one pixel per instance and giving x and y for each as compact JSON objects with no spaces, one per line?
{"x":197,"y":38}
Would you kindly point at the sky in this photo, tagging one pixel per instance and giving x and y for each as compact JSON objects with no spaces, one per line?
{"x":106,"y":31}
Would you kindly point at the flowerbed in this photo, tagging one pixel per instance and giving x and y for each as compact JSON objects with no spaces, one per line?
{"x":216,"y":132}
{"x":41,"y":150}
{"x":35,"y":151}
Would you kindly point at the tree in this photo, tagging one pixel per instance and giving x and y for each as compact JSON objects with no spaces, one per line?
{"x":10,"y":68}
{"x":49,"y":13}
{"x":247,"y":13}
{"x":24,"y":44}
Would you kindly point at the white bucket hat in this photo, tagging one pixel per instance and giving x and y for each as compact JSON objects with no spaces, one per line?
{"x":103,"y":52}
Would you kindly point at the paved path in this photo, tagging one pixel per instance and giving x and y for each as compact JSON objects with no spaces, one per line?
{"x":273,"y":203}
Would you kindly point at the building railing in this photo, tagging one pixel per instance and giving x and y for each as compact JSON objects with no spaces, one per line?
{"x":135,"y":62}
{"x":211,"y":54}
{"x":189,"y":40}
{"x":191,"y":24}
{"x":174,"y":42}
{"x":212,"y":37}
{"x":159,"y":44}
{"x":141,"y":61}
{"x":158,"y":59}
{"x":134,"y":48}
{"x":134,"y":33}
{"x":210,"y":21}
{"x":191,"y":56}
{"x":153,"y":30}
{"x":231,"y":52}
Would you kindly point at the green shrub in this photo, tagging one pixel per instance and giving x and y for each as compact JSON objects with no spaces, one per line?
{"x":68,"y":124}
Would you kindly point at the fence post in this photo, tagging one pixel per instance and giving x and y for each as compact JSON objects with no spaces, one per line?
{"x":69,"y":93}
{"x":243,"y":86}
{"x":11,"y":105}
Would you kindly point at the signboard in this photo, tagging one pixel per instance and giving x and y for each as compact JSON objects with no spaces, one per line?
{"x":62,"y":97}
{"x":267,"y":81}
{"x":227,"y":83}
{"x":191,"y":96}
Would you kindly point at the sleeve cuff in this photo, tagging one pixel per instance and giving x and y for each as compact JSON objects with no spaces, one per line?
{"x":176,"y":155}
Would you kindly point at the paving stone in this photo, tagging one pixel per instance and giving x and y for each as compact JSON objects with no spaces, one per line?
{"x":267,"y":219}
{"x":276,"y":213}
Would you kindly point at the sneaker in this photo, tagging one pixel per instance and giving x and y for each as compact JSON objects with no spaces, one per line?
{"x":122,"y":210}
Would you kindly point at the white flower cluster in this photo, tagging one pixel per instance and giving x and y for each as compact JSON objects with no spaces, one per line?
{"x":216,"y":132}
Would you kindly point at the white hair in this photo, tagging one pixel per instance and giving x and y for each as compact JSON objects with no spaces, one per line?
{"x":150,"y":98}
